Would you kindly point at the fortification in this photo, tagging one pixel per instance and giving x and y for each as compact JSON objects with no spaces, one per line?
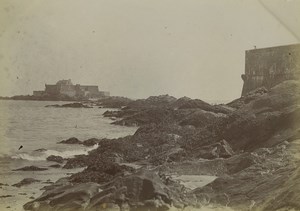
{"x":268,"y":67}
{"x":66,"y":88}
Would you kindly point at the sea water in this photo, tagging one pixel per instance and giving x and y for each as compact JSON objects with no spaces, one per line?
{"x":38,"y":129}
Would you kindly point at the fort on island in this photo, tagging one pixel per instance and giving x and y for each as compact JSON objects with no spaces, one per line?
{"x":66,"y":88}
{"x":267,"y":67}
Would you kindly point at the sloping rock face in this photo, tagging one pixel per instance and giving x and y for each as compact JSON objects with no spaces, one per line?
{"x":143,"y":190}
{"x":66,"y":197}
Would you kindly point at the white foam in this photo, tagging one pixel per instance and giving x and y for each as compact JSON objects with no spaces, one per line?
{"x":43,"y":155}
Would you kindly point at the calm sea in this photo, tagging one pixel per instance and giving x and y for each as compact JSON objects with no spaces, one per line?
{"x":34,"y":126}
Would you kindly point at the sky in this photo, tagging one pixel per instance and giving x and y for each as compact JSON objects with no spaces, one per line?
{"x":139,"y":48}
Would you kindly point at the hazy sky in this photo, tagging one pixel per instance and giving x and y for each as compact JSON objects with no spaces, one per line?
{"x":138,"y":48}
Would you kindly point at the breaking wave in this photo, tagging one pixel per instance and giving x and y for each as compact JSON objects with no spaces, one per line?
{"x":38,"y":156}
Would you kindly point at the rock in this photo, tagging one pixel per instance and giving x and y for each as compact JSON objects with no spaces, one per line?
{"x":287,"y":195}
{"x":144,"y":185}
{"x":55,"y":166}
{"x":187,"y":103}
{"x":218,"y":150}
{"x":26,"y":181}
{"x":68,"y":197}
{"x":114,"y":102}
{"x":77,"y":162}
{"x":2,"y":184}
{"x":70,"y":105}
{"x":91,"y":141}
{"x":250,"y":148}
{"x":31,"y":168}
{"x":148,"y":116}
{"x":54,"y":158}
{"x":199,"y":118}
{"x":6,"y":196}
{"x":141,"y":190}
{"x":100,"y":172}
{"x":40,"y":150}
{"x":72,"y":140}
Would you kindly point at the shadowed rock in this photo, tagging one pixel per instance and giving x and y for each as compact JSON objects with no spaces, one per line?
{"x":54,"y":158}
{"x":31,"y":168}
{"x":72,"y":140}
{"x":26,"y":181}
{"x":70,"y":105}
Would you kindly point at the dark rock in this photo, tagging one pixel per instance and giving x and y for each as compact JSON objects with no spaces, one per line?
{"x":77,"y":162}
{"x":187,"y":103}
{"x":200,"y":118}
{"x":114,"y":102}
{"x":70,"y":105}
{"x":26,"y":181}
{"x":91,"y":141}
{"x":69,"y":197}
{"x":259,"y":155}
{"x":100,"y":172}
{"x":151,"y":115}
{"x":218,"y":150}
{"x":72,"y":140}
{"x":54,"y":158}
{"x":40,"y":150}
{"x":31,"y":168}
{"x":6,"y":196}
{"x":55,"y":166}
{"x":2,"y":184}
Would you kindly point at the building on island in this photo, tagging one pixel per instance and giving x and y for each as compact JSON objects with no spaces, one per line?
{"x":267,"y":67}
{"x":66,"y":88}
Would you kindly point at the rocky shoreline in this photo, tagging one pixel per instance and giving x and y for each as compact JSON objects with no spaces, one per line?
{"x":246,"y":152}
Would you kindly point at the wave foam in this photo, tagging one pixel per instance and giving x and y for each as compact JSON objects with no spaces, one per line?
{"x":43,"y":155}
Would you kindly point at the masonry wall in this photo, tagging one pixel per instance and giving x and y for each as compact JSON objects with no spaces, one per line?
{"x":269,"y":66}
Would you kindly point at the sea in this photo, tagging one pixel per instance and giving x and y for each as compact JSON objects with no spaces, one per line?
{"x":37,"y":129}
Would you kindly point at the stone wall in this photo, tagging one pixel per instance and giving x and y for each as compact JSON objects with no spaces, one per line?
{"x":269,"y":66}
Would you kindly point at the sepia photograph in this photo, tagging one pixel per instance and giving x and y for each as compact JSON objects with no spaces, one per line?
{"x":150,"y":105}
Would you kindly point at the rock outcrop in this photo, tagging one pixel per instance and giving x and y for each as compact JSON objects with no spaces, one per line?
{"x":251,"y":149}
{"x":71,"y":140}
{"x":54,"y":158}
